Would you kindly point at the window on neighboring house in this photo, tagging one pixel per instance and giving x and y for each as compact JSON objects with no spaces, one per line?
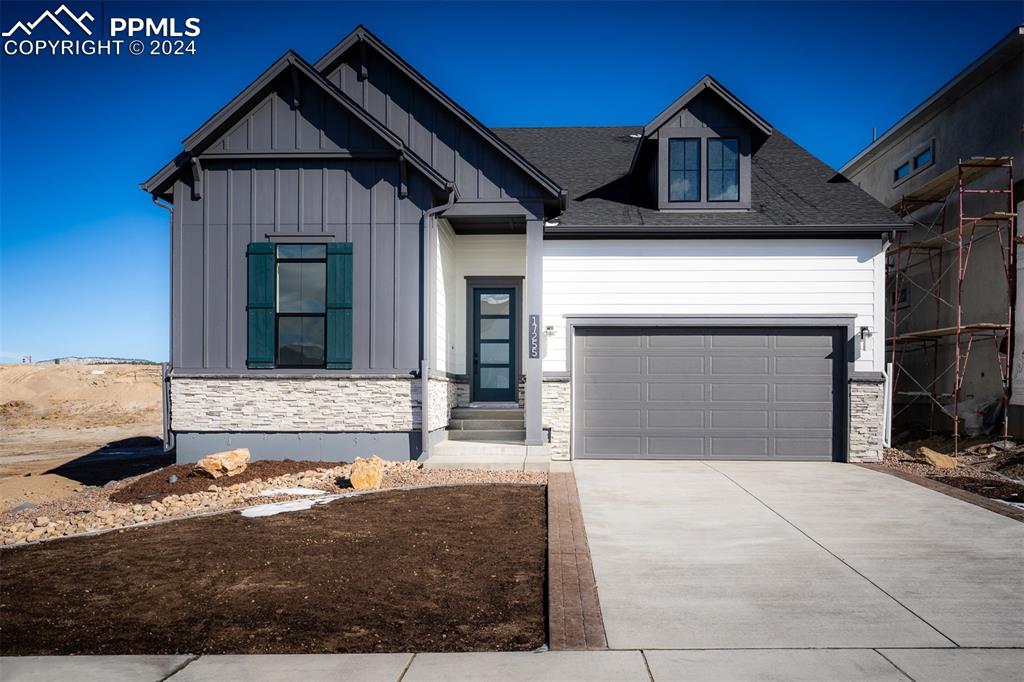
{"x":923,"y":158}
{"x":301,"y":305}
{"x":901,"y":171}
{"x":684,"y":169}
{"x":723,"y":169}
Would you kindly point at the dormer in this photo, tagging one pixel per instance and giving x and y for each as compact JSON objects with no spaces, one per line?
{"x":695,"y":155}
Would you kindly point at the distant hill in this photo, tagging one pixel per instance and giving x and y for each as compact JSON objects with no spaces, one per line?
{"x":75,"y":360}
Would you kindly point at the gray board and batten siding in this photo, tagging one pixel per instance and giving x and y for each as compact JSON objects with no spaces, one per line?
{"x":286,"y":193}
{"x":708,"y":393}
{"x":297,"y":169}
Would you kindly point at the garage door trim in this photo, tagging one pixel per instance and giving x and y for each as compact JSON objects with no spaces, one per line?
{"x":845,"y":324}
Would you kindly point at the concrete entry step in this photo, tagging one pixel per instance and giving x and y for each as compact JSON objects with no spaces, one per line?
{"x":478,"y":424}
{"x":511,"y":413}
{"x":489,"y":435}
{"x":467,"y":454}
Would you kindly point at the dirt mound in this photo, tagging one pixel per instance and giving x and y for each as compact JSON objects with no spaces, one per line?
{"x":154,"y":486}
{"x":76,"y":396}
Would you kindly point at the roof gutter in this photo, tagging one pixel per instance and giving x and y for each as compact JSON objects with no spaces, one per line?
{"x":708,"y":231}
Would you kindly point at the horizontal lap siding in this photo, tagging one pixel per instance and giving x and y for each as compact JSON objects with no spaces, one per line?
{"x":713,"y":277}
{"x":445,"y":299}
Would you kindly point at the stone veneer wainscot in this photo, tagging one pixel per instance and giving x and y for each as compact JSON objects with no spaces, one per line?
{"x":348,"y":403}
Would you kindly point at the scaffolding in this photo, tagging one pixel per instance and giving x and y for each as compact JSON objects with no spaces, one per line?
{"x":928,"y":250}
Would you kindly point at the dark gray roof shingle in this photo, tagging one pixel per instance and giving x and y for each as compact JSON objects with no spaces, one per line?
{"x":789,"y":185}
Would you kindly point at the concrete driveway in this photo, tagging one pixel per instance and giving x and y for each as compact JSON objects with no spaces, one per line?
{"x":745,"y":555}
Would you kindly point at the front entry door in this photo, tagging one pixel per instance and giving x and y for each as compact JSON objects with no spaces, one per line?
{"x":494,"y":347}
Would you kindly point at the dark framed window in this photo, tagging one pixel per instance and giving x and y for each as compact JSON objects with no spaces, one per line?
{"x":923,"y":158}
{"x":723,"y":169}
{"x":902,"y":171}
{"x":684,"y":169}
{"x":301,"y":305}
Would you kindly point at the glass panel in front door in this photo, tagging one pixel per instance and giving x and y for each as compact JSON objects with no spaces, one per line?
{"x":494,"y":345}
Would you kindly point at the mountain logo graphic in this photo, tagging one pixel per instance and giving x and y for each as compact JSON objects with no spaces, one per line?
{"x":69,"y":16}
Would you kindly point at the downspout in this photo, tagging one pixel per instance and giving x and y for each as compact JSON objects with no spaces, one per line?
{"x":165,"y":391}
{"x":429,"y":229}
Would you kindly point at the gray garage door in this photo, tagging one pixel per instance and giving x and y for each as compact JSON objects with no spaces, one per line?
{"x":706,"y":393}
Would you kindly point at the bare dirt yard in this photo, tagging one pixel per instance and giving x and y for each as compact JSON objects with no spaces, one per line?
{"x":56,"y":422}
{"x":453,"y":568}
{"x":989,"y":467}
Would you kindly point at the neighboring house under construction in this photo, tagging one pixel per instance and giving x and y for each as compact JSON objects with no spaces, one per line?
{"x":952,"y":167}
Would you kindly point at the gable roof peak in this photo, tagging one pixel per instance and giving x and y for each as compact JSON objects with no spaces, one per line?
{"x":708,"y":82}
{"x":216,"y":125}
{"x":364,"y":36}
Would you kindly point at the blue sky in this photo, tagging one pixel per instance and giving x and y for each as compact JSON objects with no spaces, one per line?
{"x":84,"y":253}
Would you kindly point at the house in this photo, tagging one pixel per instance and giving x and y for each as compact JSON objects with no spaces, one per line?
{"x":954,"y":289}
{"x":360,"y":266}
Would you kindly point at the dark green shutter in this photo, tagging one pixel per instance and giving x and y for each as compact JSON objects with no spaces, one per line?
{"x":261,"y":305}
{"x":339,"y":305}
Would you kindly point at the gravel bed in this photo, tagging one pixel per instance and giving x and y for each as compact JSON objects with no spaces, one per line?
{"x":980,"y":471}
{"x":903,"y":461}
{"x":92,"y":509}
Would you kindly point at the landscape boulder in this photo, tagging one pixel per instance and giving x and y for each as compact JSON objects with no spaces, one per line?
{"x":936,"y":459}
{"x":230,"y":463}
{"x":367,"y":474}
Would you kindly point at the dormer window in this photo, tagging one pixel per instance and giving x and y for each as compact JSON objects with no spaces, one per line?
{"x":695,"y":156}
{"x":684,"y":169}
{"x":723,"y":169}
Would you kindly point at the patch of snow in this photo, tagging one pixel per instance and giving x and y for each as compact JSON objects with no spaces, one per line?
{"x":284,"y":507}
{"x":275,"y":492}
{"x":635,"y":135}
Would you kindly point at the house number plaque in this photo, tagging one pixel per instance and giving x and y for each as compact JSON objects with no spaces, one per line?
{"x":534,"y":337}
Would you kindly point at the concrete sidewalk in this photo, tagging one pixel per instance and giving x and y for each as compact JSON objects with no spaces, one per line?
{"x":560,"y":666}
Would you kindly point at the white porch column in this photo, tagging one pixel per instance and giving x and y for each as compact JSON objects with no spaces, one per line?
{"x":534,"y":315}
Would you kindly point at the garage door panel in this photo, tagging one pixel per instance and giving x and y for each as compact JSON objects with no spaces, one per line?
{"x":746,"y":365}
{"x":675,"y":447}
{"x":708,"y":393}
{"x":674,"y":392}
{"x":601,"y":364}
{"x":675,"y":419}
{"x":807,"y":341}
{"x":612,"y":341}
{"x":803,"y":419}
{"x":612,"y":419}
{"x":802,"y":392}
{"x":723,"y":342}
{"x":801,"y":447}
{"x":739,"y":392}
{"x":804,"y":366}
{"x":612,"y":391}
{"x":656,"y":341}
{"x":734,"y":446}
{"x":614,"y":446}
{"x":739,"y":419}
{"x":673,"y":365}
